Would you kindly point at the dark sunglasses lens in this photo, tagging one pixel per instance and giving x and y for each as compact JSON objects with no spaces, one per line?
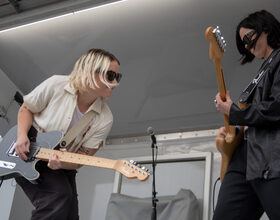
{"x":111,"y":75}
{"x":246,"y":40}
{"x":118,"y":77}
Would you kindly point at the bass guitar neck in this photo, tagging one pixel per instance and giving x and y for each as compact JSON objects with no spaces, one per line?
{"x":226,"y":146}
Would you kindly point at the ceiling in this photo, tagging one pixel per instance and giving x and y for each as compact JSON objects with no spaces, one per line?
{"x":169,"y":81}
{"x":18,"y":12}
{"x":12,"y":7}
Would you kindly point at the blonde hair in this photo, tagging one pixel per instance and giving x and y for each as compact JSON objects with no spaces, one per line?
{"x":91,"y":62}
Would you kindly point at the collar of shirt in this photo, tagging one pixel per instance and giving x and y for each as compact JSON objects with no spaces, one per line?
{"x":95,"y":106}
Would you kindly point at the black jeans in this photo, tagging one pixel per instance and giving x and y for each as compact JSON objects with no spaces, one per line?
{"x":55,"y":196}
{"x":240,"y":199}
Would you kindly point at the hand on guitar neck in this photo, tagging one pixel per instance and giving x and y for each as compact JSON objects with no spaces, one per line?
{"x":223,"y":104}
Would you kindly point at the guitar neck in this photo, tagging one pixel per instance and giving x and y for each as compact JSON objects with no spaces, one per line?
{"x":220,"y":78}
{"x":45,"y":153}
{"x":221,"y":86}
{"x":222,"y":90}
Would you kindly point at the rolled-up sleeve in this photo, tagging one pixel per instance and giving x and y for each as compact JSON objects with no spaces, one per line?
{"x":38,"y":99}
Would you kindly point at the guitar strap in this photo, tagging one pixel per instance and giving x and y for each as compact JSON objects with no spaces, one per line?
{"x":70,"y":136}
{"x":252,"y":85}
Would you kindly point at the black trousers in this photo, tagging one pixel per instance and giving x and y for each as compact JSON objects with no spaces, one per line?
{"x":55,"y":196}
{"x":240,"y":199}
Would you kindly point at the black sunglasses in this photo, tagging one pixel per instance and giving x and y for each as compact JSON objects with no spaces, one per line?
{"x":247,"y":39}
{"x":111,"y":75}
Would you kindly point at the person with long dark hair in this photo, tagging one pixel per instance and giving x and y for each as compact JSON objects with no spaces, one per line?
{"x":251,"y":184}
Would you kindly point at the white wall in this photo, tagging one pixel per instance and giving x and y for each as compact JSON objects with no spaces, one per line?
{"x":95,"y":184}
{"x":7,"y":91}
{"x":6,"y":198}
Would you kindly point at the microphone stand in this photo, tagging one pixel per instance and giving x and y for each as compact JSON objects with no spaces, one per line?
{"x":154,"y":199}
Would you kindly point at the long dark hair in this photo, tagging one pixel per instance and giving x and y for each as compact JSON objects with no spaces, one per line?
{"x":261,"y":21}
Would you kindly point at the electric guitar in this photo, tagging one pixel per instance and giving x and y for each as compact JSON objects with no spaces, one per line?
{"x":11,"y":165}
{"x":226,"y":146}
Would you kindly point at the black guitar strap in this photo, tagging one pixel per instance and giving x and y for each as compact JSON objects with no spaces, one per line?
{"x":252,"y":85}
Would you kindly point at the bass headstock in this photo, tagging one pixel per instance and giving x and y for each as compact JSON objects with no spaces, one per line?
{"x":131,"y":169}
{"x":217,"y":42}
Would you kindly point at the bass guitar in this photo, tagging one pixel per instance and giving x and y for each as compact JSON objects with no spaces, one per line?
{"x":226,"y":146}
{"x":11,"y":165}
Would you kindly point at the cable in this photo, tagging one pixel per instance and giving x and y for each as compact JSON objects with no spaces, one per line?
{"x":1,"y":181}
{"x":214,"y":188}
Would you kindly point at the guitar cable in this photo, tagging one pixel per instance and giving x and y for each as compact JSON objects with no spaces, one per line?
{"x":214,"y":189}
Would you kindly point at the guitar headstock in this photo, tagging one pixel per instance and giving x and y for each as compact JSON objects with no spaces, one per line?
{"x":217,"y":42}
{"x":132,"y":170}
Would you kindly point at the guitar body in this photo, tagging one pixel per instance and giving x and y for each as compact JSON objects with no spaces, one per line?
{"x":12,"y":166}
{"x":227,"y":149}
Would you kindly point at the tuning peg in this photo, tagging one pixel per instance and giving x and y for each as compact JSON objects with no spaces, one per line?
{"x":215,"y":29}
{"x":132,"y":161}
{"x":143,"y":168}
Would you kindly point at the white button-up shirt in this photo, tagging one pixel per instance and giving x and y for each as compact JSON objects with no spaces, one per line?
{"x":53,"y":103}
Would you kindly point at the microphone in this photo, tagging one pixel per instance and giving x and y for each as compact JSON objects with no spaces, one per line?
{"x":150,"y":131}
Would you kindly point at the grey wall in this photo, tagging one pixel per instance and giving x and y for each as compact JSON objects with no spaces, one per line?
{"x":7,"y":91}
{"x":169,"y":82}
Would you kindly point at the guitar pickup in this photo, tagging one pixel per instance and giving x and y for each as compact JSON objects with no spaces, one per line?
{"x":12,"y":151}
{"x":34,"y":149}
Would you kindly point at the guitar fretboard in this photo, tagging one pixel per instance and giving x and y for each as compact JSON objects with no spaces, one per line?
{"x":45,"y":154}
